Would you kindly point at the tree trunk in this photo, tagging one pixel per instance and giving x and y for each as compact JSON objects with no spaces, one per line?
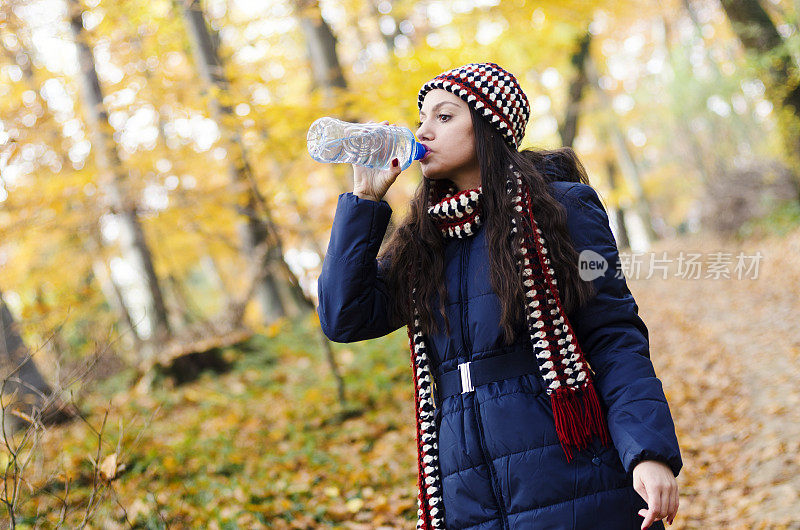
{"x":259,"y":230}
{"x":623,"y":240}
{"x":684,"y":133}
{"x":134,"y":243}
{"x":327,"y":73}
{"x":569,"y":128}
{"x":113,"y":294}
{"x":329,"y":77}
{"x":321,"y":46}
{"x":93,"y":242}
{"x":630,"y":170}
{"x":760,"y":37}
{"x":176,"y":287}
{"x":19,"y":374}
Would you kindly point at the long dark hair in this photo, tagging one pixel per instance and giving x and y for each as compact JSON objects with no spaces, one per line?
{"x":417,"y":245}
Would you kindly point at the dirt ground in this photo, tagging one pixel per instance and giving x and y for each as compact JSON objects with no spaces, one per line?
{"x":728,"y":353}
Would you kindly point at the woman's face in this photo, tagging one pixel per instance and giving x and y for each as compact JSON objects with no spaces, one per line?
{"x":446,"y":129}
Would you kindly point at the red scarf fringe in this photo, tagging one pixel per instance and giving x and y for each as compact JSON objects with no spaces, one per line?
{"x":578,"y":416}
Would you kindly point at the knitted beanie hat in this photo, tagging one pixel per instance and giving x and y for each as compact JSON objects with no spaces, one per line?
{"x":491,"y":91}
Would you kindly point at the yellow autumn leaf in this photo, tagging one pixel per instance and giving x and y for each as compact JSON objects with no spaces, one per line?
{"x":332,"y":491}
{"x":354,"y":505}
{"x":108,"y":469}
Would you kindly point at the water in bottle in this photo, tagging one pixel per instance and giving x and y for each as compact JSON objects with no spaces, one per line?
{"x":372,"y":145}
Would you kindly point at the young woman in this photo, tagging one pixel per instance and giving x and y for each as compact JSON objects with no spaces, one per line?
{"x":537,"y":405}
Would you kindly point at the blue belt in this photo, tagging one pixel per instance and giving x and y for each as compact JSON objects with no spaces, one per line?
{"x":470,"y":374}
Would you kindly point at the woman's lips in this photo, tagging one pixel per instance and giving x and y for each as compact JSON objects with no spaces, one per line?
{"x":427,"y":152}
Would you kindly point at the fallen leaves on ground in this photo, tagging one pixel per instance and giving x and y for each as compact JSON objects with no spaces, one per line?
{"x":260,"y":447}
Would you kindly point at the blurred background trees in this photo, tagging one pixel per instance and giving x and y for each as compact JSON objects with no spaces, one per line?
{"x":158,"y":149}
{"x":157,"y":199}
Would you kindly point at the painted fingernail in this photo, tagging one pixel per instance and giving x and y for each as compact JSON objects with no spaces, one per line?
{"x":395,"y":162}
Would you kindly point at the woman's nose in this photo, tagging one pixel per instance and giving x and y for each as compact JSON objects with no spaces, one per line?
{"x":422,"y":132}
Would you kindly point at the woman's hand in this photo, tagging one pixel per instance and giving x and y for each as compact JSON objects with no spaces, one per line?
{"x":371,"y":183}
{"x":656,"y":484}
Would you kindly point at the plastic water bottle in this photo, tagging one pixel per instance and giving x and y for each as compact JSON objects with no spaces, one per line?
{"x":363,"y":144}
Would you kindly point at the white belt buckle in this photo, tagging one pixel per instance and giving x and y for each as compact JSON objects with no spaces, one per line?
{"x":466,"y":378}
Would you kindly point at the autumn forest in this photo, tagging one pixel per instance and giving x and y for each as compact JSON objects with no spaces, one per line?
{"x":162,"y":229}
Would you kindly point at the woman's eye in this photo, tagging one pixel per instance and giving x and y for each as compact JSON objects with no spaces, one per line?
{"x":419,"y":123}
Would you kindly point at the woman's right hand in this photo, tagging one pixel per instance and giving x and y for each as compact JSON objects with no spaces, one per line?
{"x":371,"y":183}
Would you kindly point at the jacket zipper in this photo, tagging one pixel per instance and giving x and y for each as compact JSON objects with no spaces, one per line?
{"x":468,"y":349}
{"x":464,"y":317}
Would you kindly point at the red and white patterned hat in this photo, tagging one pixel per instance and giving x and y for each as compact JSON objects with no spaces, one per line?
{"x":492,"y":91}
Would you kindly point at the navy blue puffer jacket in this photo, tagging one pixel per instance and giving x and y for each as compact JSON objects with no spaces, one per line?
{"x":501,"y":461}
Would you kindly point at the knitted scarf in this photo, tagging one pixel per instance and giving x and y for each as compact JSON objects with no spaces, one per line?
{"x":576,"y":409}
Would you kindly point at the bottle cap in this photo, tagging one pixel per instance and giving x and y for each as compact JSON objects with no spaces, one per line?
{"x":420,"y":151}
